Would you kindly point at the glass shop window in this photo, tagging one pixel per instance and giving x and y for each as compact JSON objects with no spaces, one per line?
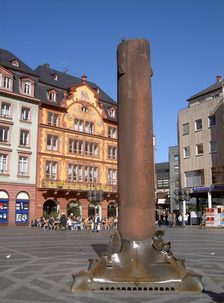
{"x":22,"y":211}
{"x":3,"y":210}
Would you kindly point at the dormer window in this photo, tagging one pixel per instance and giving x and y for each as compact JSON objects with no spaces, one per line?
{"x":27,"y":87}
{"x":15,"y":63}
{"x":5,"y":81}
{"x":52,"y":95}
{"x":55,"y":77}
{"x":111,"y":112}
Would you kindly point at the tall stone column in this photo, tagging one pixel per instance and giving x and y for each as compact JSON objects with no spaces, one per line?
{"x":135,"y":142}
{"x":138,"y":258}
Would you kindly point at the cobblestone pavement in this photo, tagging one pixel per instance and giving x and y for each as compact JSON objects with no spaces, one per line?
{"x":37,"y":265}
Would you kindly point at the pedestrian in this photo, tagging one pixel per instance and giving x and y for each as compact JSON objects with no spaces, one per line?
{"x":170,"y":219}
{"x":174,"y":219}
{"x":96,"y":223}
{"x":63,"y":221}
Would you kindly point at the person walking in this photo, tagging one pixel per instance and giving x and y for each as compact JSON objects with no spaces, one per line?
{"x":96,"y":223}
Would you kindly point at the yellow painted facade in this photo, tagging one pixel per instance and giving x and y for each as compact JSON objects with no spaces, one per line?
{"x":82,"y":105}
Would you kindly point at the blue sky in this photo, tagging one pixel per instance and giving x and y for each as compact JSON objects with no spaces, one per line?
{"x":186,"y":39}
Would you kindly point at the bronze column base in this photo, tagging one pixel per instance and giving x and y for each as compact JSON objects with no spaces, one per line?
{"x":137,"y":266}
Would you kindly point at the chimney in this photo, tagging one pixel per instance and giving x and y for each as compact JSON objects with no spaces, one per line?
{"x":218,"y":78}
{"x":47,"y":65}
{"x":84,"y":78}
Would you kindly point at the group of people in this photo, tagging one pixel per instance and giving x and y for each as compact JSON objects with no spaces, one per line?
{"x":164,"y":217}
{"x":76,"y":223}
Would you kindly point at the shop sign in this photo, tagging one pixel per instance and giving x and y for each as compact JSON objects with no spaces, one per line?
{"x":201,"y":189}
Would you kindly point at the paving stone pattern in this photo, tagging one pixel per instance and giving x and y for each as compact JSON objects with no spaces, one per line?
{"x":37,"y":265}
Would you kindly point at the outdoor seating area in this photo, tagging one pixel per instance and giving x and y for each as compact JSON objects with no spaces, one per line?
{"x":74,"y":223}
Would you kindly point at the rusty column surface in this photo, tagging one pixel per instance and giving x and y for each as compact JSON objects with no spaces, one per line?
{"x":135,"y":144}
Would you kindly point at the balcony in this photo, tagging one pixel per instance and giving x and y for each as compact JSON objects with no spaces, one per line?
{"x":78,"y":186}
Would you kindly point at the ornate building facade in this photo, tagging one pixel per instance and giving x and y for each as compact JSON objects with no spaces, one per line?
{"x":77,"y":150}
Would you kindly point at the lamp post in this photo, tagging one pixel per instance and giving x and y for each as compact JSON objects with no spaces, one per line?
{"x":182,"y":195}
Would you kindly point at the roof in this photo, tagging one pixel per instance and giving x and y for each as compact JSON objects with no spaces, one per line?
{"x":211,"y":88}
{"x":45,"y":81}
{"x":6,"y":59}
{"x":65,"y":81}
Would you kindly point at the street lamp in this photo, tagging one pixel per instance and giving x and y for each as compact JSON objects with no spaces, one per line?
{"x":182,"y":195}
{"x":95,"y":197}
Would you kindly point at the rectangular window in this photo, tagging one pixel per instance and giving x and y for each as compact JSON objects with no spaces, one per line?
{"x":91,"y":149}
{"x":23,"y":166}
{"x":185,"y":129}
{"x":198,"y":124}
{"x":163,"y":183}
{"x":24,"y":137}
{"x":52,"y":95}
{"x":112,"y":152}
{"x":3,"y":163}
{"x":4,"y":134}
{"x":91,"y":174}
{"x":212,"y":147}
{"x":70,"y":145}
{"x":75,"y":146}
{"x":52,"y":119}
{"x":176,"y":158}
{"x":52,"y":142}
{"x":7,"y":82}
{"x":78,"y":125}
{"x":27,"y":88}
{"x":186,"y":152}
{"x":112,"y":176}
{"x":112,"y":132}
{"x":75,"y":173}
{"x":89,"y":127}
{"x":25,"y":113}
{"x":51,"y":170}
{"x":211,"y":120}
{"x":5,"y":109}
{"x":176,"y":168}
{"x":194,"y":178}
{"x":199,"y":149}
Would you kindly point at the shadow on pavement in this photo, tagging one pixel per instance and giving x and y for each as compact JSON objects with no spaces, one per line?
{"x":216,"y":297}
{"x":100,"y":248}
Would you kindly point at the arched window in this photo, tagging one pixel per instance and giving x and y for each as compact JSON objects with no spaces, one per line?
{"x":112,"y":209}
{"x":74,"y":208}
{"x":27,"y":86}
{"x":4,"y":200}
{"x":22,"y":208}
{"x":52,"y":95}
{"x":50,"y":208}
{"x":94,"y":209}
